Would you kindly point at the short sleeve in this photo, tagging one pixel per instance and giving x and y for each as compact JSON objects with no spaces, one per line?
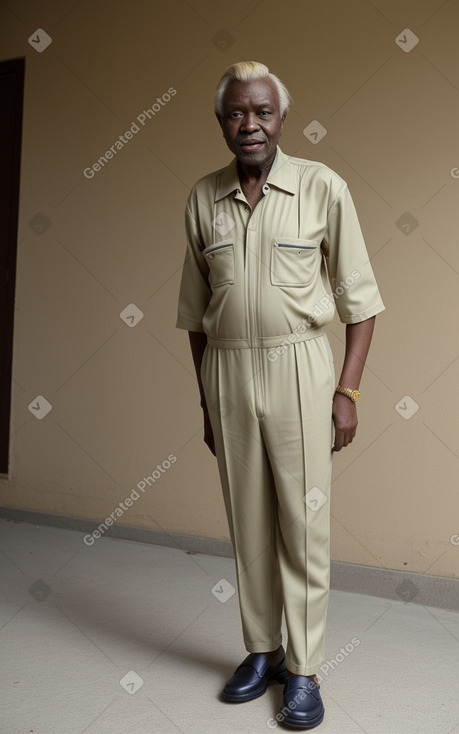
{"x":195,"y":291}
{"x":352,"y":280}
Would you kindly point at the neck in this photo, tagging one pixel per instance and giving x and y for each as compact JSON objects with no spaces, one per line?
{"x":256,"y":175}
{"x":252,"y":175}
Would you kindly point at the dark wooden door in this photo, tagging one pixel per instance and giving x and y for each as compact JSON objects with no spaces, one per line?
{"x":11,"y":97}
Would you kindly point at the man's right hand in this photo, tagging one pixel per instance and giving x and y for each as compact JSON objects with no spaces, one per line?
{"x":198,"y":343}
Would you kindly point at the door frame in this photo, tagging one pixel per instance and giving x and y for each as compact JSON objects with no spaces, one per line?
{"x":12,"y":73}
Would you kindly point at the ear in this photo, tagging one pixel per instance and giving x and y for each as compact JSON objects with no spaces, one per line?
{"x":220,"y":119}
{"x":282,"y":120}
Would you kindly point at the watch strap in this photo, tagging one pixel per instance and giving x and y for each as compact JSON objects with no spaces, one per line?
{"x":353,"y":395}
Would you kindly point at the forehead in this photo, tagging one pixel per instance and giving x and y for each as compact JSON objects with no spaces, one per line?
{"x":251,"y":94}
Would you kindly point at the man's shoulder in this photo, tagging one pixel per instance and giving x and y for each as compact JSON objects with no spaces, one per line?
{"x":213,"y":185}
{"x":316,"y":169}
{"x":209,"y":179}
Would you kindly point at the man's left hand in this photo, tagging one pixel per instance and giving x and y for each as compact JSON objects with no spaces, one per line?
{"x":344,"y":414}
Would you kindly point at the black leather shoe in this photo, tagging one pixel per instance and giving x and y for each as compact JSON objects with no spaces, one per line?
{"x":250,"y":679}
{"x":303,"y":707}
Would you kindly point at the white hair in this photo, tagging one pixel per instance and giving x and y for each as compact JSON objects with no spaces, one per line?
{"x":247,"y":71}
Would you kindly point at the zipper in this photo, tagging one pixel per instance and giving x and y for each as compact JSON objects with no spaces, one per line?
{"x":297,"y":247}
{"x":255,"y":305}
{"x":213,"y":248}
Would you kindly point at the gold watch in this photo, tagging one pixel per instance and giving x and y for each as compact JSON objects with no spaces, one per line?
{"x":353,"y":395}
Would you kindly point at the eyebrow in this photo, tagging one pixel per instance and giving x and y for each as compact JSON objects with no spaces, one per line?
{"x":235,"y":105}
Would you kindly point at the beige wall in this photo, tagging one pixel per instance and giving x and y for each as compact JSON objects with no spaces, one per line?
{"x":124,"y":399}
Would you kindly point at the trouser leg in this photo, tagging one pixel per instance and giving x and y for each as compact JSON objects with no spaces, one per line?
{"x":298,"y":435}
{"x":248,"y":492}
{"x":275,"y":468}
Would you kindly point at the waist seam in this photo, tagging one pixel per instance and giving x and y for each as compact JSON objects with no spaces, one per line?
{"x":265,"y":342}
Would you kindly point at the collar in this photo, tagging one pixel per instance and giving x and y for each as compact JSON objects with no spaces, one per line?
{"x":281,"y":176}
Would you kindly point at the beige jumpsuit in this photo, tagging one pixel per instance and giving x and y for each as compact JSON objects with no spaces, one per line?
{"x":261,"y":284}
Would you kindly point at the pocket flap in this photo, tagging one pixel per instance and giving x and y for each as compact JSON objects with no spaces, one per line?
{"x":294,"y":262}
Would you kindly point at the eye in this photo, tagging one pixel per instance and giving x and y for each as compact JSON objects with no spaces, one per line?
{"x":264,"y":113}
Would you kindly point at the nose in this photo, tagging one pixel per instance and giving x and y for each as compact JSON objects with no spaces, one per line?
{"x":250,"y":122}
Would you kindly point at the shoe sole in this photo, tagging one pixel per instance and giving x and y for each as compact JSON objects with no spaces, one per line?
{"x":304,"y":724}
{"x":279,"y":677}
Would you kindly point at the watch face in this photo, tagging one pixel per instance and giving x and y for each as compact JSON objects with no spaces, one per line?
{"x":355,"y":395}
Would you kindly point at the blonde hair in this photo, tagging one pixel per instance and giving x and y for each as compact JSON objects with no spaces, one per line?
{"x":247,"y":71}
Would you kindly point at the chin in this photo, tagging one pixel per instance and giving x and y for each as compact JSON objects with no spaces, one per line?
{"x":252,"y":159}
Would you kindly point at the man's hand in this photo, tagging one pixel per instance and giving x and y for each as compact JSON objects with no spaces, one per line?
{"x":198,"y":342}
{"x":344,"y":413}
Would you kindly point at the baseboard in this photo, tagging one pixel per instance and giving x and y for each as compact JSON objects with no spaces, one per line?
{"x":417,"y":588}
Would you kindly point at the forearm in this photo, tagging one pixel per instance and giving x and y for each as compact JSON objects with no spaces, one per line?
{"x":198,"y":342}
{"x":358,"y":340}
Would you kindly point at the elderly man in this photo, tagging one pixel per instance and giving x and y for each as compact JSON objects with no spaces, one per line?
{"x":273,"y":247}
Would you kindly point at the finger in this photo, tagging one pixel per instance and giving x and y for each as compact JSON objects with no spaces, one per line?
{"x":348,"y":438}
{"x":338,"y":445}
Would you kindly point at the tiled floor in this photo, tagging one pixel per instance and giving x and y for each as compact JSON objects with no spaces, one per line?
{"x":122,"y":637}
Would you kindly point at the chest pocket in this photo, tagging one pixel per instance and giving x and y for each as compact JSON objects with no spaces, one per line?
{"x":294,"y":262}
{"x":220,"y":259}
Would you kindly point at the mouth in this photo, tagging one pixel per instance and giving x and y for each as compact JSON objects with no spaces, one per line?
{"x":250,"y":146}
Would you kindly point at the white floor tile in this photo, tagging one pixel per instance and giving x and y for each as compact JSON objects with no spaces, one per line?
{"x":76,"y":620}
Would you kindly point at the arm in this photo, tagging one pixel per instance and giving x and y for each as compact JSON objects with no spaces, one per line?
{"x":198,"y":342}
{"x":358,"y":339}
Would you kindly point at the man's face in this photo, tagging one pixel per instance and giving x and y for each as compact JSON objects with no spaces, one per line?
{"x":251,"y":121}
